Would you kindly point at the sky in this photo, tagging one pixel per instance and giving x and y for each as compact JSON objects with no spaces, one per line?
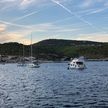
{"x":53,"y":19}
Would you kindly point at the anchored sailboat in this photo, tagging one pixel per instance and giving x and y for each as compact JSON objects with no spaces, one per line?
{"x":32,"y":64}
{"x":22,"y":61}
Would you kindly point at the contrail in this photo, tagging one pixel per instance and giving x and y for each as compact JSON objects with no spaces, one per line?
{"x":13,"y":24}
{"x":97,"y":11}
{"x":27,"y":15}
{"x":72,"y":13}
{"x":20,"y":18}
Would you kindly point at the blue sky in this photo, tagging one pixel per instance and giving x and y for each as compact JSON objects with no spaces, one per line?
{"x":48,"y":19}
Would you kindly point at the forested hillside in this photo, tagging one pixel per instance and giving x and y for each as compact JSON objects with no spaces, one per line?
{"x":54,"y":49}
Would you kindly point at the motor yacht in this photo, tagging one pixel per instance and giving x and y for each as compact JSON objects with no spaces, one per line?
{"x":77,"y":63}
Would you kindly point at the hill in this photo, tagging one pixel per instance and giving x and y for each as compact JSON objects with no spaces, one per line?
{"x":55,"y":49}
{"x":62,"y":42}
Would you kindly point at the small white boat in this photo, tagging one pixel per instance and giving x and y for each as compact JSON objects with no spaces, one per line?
{"x":77,"y":63}
{"x":33,"y":65}
{"x":21,"y":64}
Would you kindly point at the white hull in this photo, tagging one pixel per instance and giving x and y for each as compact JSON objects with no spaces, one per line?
{"x":77,"y":64}
{"x":32,"y":65}
{"x":77,"y":67}
{"x":21,"y":65}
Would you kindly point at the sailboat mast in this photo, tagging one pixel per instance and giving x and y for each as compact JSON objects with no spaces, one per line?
{"x":23,"y":50}
{"x":31,"y":47}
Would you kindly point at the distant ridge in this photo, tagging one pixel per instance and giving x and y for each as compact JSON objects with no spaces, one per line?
{"x":56,"y":49}
{"x":63,"y":42}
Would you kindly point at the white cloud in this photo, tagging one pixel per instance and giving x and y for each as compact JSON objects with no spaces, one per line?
{"x":6,"y":37}
{"x":25,"y":3}
{"x":21,"y":4}
{"x":14,"y":37}
{"x":87,"y":3}
{"x":2,"y":27}
{"x":99,"y":37}
{"x":91,"y":3}
{"x":20,"y":35}
{"x":106,"y":3}
{"x":3,"y":1}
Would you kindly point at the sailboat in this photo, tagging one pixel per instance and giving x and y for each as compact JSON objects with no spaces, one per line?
{"x":32,"y":64}
{"x":22,"y":61}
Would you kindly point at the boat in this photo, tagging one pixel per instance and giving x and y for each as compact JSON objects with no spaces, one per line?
{"x":77,"y":63}
{"x":22,"y":63}
{"x":32,"y":63}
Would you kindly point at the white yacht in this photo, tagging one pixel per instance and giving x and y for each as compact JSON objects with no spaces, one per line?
{"x":77,"y":63}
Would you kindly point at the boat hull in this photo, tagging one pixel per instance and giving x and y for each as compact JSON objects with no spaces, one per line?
{"x":77,"y":64}
{"x":32,"y":65}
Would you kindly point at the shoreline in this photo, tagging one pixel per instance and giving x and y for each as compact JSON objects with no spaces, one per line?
{"x":53,"y":61}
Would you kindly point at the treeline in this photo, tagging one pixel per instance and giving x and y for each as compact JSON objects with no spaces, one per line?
{"x":54,"y":49}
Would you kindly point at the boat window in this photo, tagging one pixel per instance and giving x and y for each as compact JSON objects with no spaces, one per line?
{"x":79,"y":63}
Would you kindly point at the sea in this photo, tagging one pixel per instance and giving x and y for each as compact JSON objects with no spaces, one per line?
{"x":54,"y":86}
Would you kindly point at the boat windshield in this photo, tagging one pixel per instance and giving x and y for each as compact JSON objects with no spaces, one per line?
{"x":79,"y":63}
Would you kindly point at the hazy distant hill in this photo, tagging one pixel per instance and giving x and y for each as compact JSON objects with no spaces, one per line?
{"x":61,"y":42}
{"x":56,"y":49}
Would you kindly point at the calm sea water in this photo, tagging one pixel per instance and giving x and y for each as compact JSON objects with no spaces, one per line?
{"x":53,"y":86}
